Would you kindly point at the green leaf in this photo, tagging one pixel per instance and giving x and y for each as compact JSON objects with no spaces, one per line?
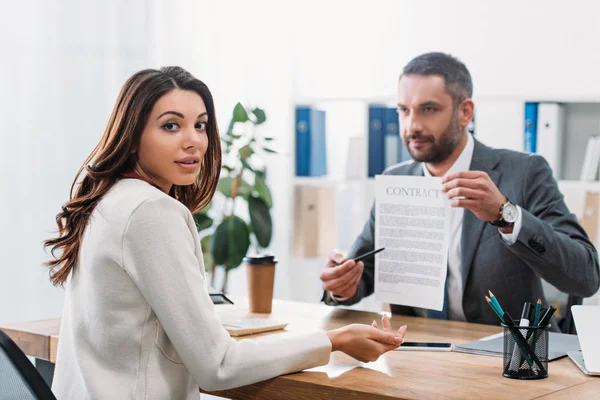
{"x":247,"y":165}
{"x":261,"y":173}
{"x":245,"y":189}
{"x":231,"y":135}
{"x":203,"y":221}
{"x":225,"y":186}
{"x":260,"y":116}
{"x":239,"y":113}
{"x":246,"y":152}
{"x":205,"y":243}
{"x":264,"y":193}
{"x":230,"y":242}
{"x":230,"y":127}
{"x":260,"y":219}
{"x":227,"y":168}
{"x":268,"y":150}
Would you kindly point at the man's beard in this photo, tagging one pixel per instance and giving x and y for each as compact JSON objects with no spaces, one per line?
{"x":441,"y":149}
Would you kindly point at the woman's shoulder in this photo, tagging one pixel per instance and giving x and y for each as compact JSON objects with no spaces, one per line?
{"x":129,"y":196}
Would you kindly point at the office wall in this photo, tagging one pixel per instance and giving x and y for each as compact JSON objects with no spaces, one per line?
{"x":537,"y":47}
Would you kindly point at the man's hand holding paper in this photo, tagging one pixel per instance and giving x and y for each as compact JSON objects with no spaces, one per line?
{"x":475,"y":191}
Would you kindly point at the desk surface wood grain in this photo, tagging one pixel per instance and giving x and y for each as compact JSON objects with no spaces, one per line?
{"x":34,"y":337}
{"x":397,"y":374}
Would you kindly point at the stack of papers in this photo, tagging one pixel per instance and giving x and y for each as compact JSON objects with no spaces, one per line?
{"x":559,"y":345}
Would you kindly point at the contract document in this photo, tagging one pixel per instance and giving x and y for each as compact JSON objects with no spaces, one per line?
{"x":412,"y":223}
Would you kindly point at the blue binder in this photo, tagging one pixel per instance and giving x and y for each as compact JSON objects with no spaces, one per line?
{"x":393,"y":143}
{"x":311,"y":146}
{"x":376,"y":140}
{"x":531,"y":117}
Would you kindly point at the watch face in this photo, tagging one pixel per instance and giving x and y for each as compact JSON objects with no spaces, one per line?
{"x":510,"y":213}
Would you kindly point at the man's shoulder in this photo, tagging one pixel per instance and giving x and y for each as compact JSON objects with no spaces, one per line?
{"x":520,"y":159}
{"x":505,"y":158}
{"x":512,"y":155}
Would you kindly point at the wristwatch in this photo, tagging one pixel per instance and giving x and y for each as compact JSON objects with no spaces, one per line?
{"x":507,"y":215}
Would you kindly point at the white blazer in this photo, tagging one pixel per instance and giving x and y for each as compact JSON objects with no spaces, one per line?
{"x":138,"y":322}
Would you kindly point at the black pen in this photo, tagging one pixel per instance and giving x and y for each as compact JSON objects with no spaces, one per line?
{"x":524,"y":322}
{"x":545,"y":320}
{"x":525,"y":315}
{"x":368,"y":254}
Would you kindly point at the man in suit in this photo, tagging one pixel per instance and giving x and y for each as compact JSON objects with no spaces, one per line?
{"x":509,"y":225}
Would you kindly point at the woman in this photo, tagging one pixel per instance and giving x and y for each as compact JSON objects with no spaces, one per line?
{"x":138,"y":322}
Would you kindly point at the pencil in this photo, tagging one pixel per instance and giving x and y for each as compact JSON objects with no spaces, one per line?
{"x":536,"y":318}
{"x":495,"y":300}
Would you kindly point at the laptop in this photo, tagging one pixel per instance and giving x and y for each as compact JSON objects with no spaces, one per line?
{"x":587,"y":322}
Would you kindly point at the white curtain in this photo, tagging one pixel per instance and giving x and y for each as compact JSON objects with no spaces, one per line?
{"x":62,"y":65}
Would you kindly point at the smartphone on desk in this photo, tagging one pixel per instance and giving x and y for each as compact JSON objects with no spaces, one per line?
{"x":219,"y":298}
{"x":424,"y":346}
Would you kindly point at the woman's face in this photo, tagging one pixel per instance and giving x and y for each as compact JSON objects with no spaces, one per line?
{"x":174,"y":140}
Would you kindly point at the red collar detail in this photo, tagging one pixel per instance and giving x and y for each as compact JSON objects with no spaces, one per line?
{"x":131,"y":174}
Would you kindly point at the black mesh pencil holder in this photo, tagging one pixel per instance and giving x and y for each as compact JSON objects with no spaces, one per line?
{"x":527,"y":356}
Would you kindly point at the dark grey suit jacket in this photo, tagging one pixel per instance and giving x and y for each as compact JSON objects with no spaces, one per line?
{"x":551,"y":244}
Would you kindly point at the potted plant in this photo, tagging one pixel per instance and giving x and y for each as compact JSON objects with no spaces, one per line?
{"x":241,"y":211}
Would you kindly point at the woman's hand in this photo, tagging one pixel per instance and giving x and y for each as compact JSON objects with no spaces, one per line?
{"x":366,"y":343}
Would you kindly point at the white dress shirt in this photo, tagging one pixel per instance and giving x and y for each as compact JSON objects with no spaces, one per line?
{"x":455,"y":281}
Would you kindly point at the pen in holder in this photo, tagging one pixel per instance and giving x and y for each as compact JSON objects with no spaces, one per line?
{"x":527,"y":357}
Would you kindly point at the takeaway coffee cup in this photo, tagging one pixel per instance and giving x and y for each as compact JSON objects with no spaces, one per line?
{"x":260,"y":272}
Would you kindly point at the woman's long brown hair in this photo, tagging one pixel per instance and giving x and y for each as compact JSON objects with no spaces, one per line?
{"x":115,"y":154}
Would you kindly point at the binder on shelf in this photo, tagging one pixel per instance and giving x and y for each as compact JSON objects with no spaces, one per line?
{"x":531,"y":117}
{"x":392,"y":143}
{"x":591,"y":160}
{"x":315,"y":228}
{"x":376,"y":135}
{"x":356,"y":162}
{"x":549,"y":141}
{"x":311,"y":146}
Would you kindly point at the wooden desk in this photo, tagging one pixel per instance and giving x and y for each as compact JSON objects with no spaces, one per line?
{"x":394,"y":375}
{"x":34,"y":338}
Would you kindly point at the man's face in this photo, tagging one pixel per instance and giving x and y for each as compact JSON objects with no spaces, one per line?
{"x":429,"y":124}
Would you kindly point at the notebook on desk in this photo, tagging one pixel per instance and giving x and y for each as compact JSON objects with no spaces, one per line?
{"x":238,"y":321}
{"x":558,"y":346}
{"x":251,"y":324}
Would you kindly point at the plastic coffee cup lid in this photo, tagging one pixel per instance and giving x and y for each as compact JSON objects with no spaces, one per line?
{"x":261,"y":259}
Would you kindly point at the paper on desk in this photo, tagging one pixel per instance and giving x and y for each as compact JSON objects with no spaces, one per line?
{"x":411,"y":222}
